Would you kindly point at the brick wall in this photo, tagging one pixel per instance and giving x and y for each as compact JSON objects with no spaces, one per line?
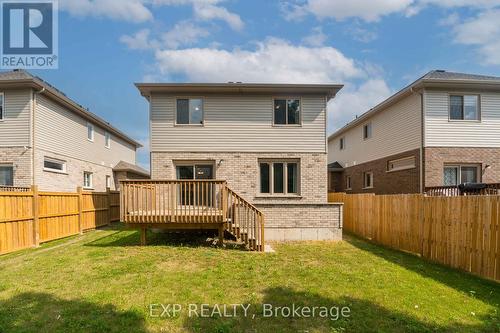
{"x":241,"y":172}
{"x":20,"y":158}
{"x":394,"y":182}
{"x":436,"y":157}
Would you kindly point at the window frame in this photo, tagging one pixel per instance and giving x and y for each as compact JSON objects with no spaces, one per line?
{"x":402,"y":168}
{"x":108,"y":178}
{"x":55,"y":160}
{"x":459,"y":166}
{"x":463,"y":94}
{"x":91,"y":185}
{"x":2,"y":112}
{"x":370,"y":126}
{"x":372,"y":185}
{"x":107,"y":139}
{"x":202,"y":111}
{"x":12,"y":167}
{"x":342,"y":143}
{"x":285,"y":163}
{"x":287,"y":98}
{"x":90,"y":125}
{"x":348,"y":183}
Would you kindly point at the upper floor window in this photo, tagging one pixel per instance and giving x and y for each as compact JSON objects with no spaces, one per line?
{"x":87,"y":180}
{"x":2,"y":106}
{"x":189,"y":111}
{"x":464,"y":107}
{"x":90,"y":132}
{"x":368,"y":180}
{"x":367,"y":131}
{"x":54,"y":165}
{"x":287,"y":112}
{"x":107,"y":140}
{"x":279,"y":177}
{"x":6,"y":175}
{"x":342,"y":143}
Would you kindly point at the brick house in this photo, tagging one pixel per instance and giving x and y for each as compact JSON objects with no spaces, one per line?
{"x":268,"y":141}
{"x":441,"y":130}
{"x":49,"y":140}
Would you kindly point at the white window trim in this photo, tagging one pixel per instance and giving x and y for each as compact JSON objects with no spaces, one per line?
{"x":285,"y":178}
{"x":348,"y":182}
{"x":202,"y":111}
{"x":91,"y":180}
{"x":459,"y":166}
{"x":288,"y":98}
{"x":90,"y":125}
{"x":402,"y":168}
{"x":54,"y":160}
{"x":107,"y":137}
{"x":2,"y":115}
{"x":108,"y":177}
{"x":371,"y":131}
{"x":478,"y":120}
{"x":364,"y":180}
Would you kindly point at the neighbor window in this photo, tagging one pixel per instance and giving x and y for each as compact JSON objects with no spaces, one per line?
{"x":401,"y":164}
{"x":279,"y":177}
{"x":287,"y":112}
{"x":368,"y":180}
{"x":108,"y":181}
{"x":87,"y":179}
{"x":90,"y":132}
{"x":342,"y":143}
{"x":6,"y":175}
{"x":367,"y":131}
{"x":348,"y":184}
{"x":52,"y":164}
{"x":190,"y":111}
{"x":464,"y":107}
{"x":107,"y":140}
{"x":2,"y":106}
{"x":461,"y":174}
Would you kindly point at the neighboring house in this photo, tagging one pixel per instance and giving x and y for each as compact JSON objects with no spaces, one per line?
{"x":268,"y":141}
{"x":48,"y":140}
{"x":442,"y":130}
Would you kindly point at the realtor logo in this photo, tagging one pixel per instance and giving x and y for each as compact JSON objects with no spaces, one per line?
{"x":29,"y":34}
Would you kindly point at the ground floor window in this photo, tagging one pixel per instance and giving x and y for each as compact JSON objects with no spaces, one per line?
{"x":279,"y":177}
{"x":54,"y":165}
{"x":87,"y":179}
{"x":348,"y":185}
{"x":108,"y":181}
{"x":6,"y":175}
{"x":461,"y":174}
{"x":368,"y":179}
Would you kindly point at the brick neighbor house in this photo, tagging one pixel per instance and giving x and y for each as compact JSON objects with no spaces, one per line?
{"x":441,"y":130}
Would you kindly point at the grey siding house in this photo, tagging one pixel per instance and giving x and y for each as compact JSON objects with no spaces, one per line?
{"x":268,"y":141}
{"x":441,"y":130}
{"x":46,"y":139}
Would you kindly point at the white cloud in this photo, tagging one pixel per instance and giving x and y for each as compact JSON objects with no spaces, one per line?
{"x":126,"y":10}
{"x":139,"y":41}
{"x":355,"y":100}
{"x":273,"y":60}
{"x":361,"y":34}
{"x":316,"y":38}
{"x":183,"y":33}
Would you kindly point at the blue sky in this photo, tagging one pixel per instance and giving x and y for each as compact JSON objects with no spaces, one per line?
{"x":374,"y":47}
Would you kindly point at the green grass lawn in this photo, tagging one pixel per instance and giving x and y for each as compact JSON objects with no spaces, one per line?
{"x":103,"y":282}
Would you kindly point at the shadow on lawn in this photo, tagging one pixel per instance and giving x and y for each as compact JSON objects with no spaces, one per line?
{"x":41,"y":312}
{"x":364,"y":317}
{"x":485,"y":290}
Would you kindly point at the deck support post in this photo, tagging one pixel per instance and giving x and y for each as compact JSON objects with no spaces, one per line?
{"x":143,"y":236}
{"x":221,"y":234}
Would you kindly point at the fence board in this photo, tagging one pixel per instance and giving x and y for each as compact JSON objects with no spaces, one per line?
{"x":460,"y":232}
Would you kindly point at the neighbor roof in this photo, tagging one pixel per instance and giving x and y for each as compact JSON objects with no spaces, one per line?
{"x":129,"y":167}
{"x":433,"y":79}
{"x":329,"y":90}
{"x":21,"y":78}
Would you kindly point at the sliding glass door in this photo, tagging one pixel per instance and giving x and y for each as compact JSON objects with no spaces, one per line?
{"x":196,"y":193}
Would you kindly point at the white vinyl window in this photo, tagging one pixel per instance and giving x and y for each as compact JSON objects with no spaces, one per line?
{"x":342,"y":143}
{"x":367,"y":131}
{"x":108,"y":181}
{"x":54,"y":165}
{"x":348,"y":184}
{"x":287,"y":112}
{"x":401,"y":164}
{"x":6,"y":175}
{"x":2,"y":106}
{"x":107,"y":139}
{"x":87,"y":180}
{"x":464,"y":107}
{"x":90,"y":132}
{"x":189,"y":111}
{"x":368,"y":180}
{"x":279,"y":177}
{"x":461,"y":174}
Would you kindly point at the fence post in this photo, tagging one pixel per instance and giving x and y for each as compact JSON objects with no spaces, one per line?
{"x":108,"y":192}
{"x":79,"y":190}
{"x":36,"y":222}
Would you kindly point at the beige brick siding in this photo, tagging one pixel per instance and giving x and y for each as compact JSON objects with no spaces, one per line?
{"x":20,"y":158}
{"x":68,"y":182}
{"x":437,"y":157}
{"x":241,"y":172}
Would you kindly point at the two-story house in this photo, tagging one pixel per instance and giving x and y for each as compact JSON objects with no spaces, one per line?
{"x":441,"y":130}
{"x":46,"y":139}
{"x":268,"y":141}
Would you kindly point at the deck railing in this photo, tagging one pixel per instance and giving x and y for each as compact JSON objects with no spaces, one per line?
{"x":14,"y":189}
{"x":453,"y":191}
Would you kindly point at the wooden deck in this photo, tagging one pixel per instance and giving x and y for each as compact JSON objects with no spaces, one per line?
{"x":191,"y":205}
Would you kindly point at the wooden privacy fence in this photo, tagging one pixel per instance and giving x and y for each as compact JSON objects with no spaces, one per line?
{"x":30,"y":218}
{"x":461,"y":232}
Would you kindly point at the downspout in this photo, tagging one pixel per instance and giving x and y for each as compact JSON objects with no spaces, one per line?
{"x":35,"y":93}
{"x":422,"y":140}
